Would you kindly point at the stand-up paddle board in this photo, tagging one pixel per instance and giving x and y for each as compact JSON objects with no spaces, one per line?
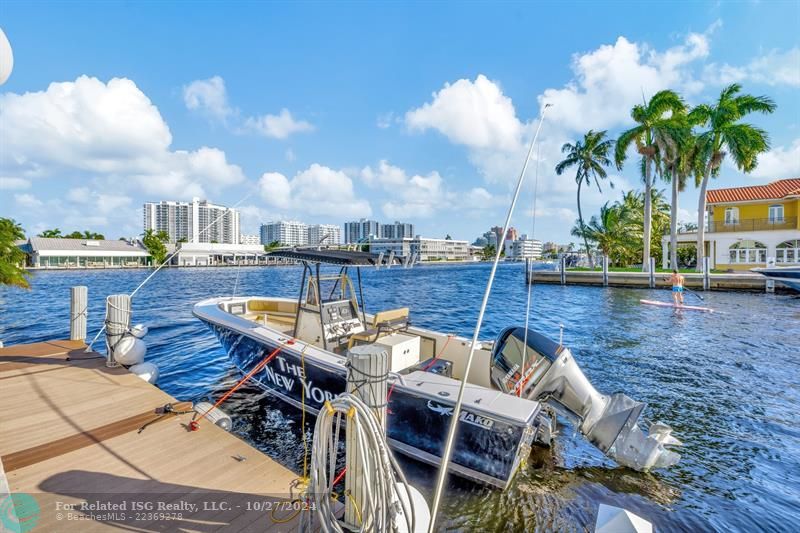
{"x":669,"y":304}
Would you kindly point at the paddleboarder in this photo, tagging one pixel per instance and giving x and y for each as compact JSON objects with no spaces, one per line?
{"x":677,"y":287}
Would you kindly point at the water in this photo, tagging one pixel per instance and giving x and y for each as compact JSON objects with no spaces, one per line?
{"x":728,"y":383}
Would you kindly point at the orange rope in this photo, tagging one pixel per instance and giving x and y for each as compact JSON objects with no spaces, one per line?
{"x":194,"y":425}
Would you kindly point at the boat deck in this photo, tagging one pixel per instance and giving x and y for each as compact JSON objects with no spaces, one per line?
{"x":70,"y":434}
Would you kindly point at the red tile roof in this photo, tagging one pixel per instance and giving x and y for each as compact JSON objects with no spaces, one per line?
{"x":772,"y":191}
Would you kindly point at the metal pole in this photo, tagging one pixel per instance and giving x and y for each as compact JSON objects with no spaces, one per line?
{"x":118,"y":322}
{"x":652,"y":273}
{"x":448,"y":449}
{"x":78,"y":309}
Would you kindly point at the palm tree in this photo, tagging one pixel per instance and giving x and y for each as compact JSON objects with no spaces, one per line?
{"x":51,"y":233}
{"x":655,"y":127}
{"x":726,"y":135}
{"x":590,"y":157}
{"x":11,"y":257}
{"x":614,"y":232}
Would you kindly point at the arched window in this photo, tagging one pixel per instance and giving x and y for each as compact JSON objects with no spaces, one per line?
{"x":788,"y":252}
{"x":731,"y":216}
{"x":748,"y":252}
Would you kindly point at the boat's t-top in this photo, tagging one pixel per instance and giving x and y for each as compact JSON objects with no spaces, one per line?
{"x":329,"y":310}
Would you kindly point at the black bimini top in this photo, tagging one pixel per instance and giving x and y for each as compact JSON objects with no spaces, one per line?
{"x":335,"y":257}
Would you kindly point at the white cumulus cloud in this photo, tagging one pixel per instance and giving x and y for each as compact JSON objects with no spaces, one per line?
{"x":773,"y":68}
{"x":14,"y":183}
{"x":317,"y":190}
{"x":107,"y":130}
{"x":208,"y":96}
{"x":278,"y":126}
{"x":476,"y":114}
{"x":780,"y":162}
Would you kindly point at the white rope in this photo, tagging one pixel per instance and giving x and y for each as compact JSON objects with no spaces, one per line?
{"x":528,"y":282}
{"x":448,"y":449}
{"x":167,"y":260}
{"x":382,"y":500}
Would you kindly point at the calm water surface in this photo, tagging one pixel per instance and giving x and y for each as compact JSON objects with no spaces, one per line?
{"x":728,"y":383}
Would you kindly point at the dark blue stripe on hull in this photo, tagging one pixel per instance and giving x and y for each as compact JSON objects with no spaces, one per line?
{"x":485,"y":445}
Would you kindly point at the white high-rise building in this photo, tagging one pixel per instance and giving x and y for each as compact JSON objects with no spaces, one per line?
{"x":520,"y":249}
{"x":324,"y":234}
{"x":398,"y":230}
{"x":286,"y":232}
{"x":198,"y":221}
{"x":249,"y":239}
{"x":361,"y":230}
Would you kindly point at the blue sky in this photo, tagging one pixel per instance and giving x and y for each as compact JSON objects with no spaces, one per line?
{"x":329,"y":112}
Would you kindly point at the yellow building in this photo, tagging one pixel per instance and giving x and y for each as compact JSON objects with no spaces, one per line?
{"x":748,"y":226}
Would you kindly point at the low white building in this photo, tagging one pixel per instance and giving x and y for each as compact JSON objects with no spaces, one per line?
{"x":85,"y":253}
{"x":521,"y":249}
{"x":202,"y":254}
{"x":425,"y":249}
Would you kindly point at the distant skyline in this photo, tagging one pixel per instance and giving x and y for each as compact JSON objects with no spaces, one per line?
{"x":339,"y":111}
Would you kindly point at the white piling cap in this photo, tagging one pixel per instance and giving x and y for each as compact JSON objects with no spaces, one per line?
{"x":612,"y":519}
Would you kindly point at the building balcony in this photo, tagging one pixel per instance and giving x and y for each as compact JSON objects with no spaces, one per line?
{"x":750,"y":224}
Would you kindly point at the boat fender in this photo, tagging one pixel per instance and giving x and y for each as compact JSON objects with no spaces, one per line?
{"x":146,"y":371}
{"x":422,"y":514}
{"x":130,"y":351}
{"x":215,"y":414}
{"x":139,"y":331}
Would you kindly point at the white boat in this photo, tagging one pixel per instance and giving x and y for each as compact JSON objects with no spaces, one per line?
{"x":788,"y":275}
{"x":510,"y":392}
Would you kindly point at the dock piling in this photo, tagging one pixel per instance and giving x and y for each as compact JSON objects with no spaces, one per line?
{"x":605,"y":271}
{"x":366,"y":379}
{"x":652,"y":272}
{"x":78,"y":310}
{"x":118,"y":322}
{"x":706,"y":274}
{"x":563,"y":269}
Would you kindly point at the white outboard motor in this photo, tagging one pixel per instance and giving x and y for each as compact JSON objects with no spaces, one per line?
{"x":546,"y":371}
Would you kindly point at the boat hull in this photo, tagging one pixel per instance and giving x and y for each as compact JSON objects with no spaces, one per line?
{"x":789,"y":276}
{"x":489,"y":446}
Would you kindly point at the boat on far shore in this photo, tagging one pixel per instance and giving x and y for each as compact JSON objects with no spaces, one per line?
{"x":788,"y":275}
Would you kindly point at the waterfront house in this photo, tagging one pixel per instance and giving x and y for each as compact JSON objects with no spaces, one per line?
{"x":84,"y":253}
{"x":748,"y":226}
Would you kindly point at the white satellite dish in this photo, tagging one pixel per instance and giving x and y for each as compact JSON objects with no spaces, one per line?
{"x":6,"y":58}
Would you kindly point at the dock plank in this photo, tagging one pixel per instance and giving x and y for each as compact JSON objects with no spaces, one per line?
{"x":70,"y":435}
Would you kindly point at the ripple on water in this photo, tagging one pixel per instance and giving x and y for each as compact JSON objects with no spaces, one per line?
{"x":728,"y":382}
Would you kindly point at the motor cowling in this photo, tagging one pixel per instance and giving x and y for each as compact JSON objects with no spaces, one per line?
{"x":528,"y":364}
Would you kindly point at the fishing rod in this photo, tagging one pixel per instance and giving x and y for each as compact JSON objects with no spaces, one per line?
{"x":448,"y":449}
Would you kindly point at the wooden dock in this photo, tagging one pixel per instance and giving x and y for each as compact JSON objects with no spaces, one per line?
{"x":75,"y":460}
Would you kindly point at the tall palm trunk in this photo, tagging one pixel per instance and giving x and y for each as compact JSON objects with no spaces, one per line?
{"x":583,"y":227}
{"x":648,"y":211}
{"x":673,"y":224}
{"x":701,"y":218}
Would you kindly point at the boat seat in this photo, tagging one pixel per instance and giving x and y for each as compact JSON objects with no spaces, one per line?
{"x":383,"y":323}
